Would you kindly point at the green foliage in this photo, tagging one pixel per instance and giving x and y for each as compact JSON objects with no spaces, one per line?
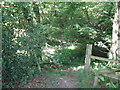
{"x":86,"y":80}
{"x":22,"y":42}
{"x":111,"y":85}
{"x":68,"y":56}
{"x":27,"y":26}
{"x":101,"y":78}
{"x":107,"y":83}
{"x":71,"y":35}
{"x":87,"y":31}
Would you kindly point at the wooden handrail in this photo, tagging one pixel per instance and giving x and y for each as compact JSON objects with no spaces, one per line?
{"x":89,"y":56}
{"x":105,"y":59}
{"x":88,"y":60}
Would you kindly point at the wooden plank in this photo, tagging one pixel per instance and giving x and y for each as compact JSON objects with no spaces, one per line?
{"x":111,"y":76}
{"x":95,"y":80}
{"x":104,"y":59}
{"x":88,"y":56}
{"x":107,"y":71}
{"x":110,"y":73}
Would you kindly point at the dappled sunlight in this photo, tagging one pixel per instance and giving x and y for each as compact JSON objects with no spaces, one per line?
{"x":73,"y":68}
{"x":49,"y":50}
{"x":48,"y":40}
{"x":77,"y":68}
{"x":72,"y":47}
{"x":21,"y":52}
{"x":20,"y":32}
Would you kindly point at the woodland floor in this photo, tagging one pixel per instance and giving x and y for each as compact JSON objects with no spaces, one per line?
{"x":62,"y":79}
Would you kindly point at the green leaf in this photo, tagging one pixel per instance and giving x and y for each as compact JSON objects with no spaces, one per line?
{"x":101,"y":78}
{"x":111,"y":85}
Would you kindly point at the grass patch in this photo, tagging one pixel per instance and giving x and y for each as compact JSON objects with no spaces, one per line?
{"x":85,"y":79}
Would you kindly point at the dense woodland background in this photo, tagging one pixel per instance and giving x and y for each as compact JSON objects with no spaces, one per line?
{"x":39,"y":36}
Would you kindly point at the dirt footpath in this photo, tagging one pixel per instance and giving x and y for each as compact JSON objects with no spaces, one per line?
{"x":53,"y":81}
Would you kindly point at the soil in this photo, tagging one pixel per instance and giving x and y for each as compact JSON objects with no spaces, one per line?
{"x":67,"y":82}
{"x":53,"y":81}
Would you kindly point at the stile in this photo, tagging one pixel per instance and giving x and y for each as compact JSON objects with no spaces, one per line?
{"x":88,"y":60}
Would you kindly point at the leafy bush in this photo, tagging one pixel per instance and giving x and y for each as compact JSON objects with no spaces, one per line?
{"x":24,"y":61}
{"x":71,"y":35}
{"x":69,"y":56}
{"x":23,"y":36}
{"x":64,"y":56}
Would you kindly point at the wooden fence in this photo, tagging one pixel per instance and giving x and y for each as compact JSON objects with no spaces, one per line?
{"x":88,"y":58}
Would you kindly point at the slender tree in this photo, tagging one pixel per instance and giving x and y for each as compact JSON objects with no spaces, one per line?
{"x":115,"y":49}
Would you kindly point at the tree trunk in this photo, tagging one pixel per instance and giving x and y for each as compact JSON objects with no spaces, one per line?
{"x":115,"y":49}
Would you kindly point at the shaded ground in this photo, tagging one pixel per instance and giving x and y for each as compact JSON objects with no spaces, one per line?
{"x":58,"y":79}
{"x":68,"y":81}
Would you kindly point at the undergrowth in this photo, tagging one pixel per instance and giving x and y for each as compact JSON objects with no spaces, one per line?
{"x":85,"y":79}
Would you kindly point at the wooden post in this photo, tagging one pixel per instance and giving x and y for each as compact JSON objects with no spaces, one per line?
{"x":95,"y":80}
{"x":88,"y":56}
